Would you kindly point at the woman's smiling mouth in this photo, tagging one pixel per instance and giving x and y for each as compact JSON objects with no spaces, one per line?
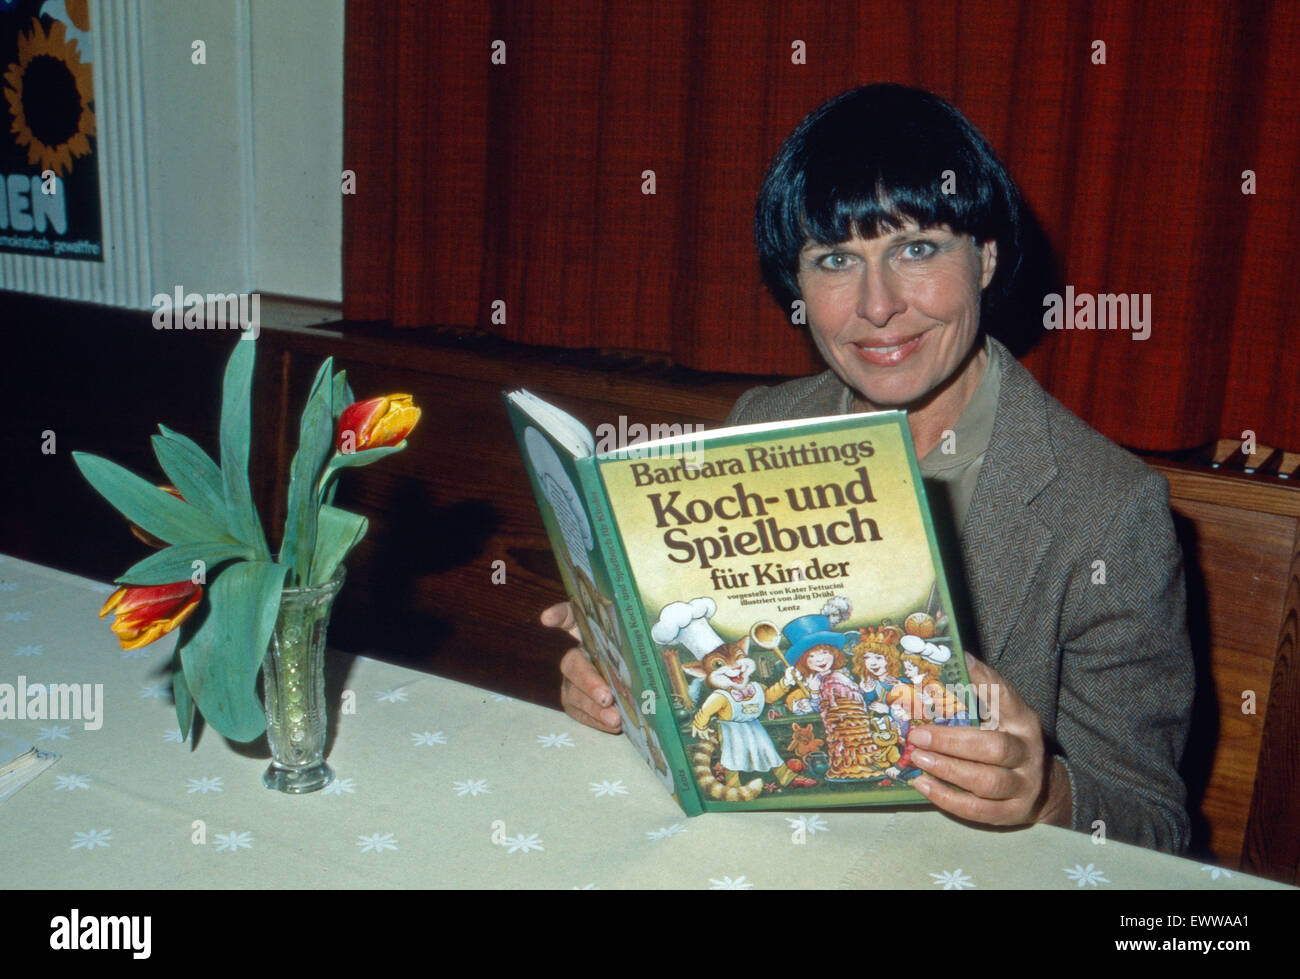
{"x":887,"y":355}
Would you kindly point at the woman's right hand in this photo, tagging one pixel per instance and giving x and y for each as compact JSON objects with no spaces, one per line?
{"x":584,"y":695}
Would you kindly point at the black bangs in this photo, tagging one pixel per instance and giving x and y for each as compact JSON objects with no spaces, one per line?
{"x":869,"y":160}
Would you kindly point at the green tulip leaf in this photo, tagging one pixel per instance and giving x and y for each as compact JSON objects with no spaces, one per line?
{"x":338,"y":532}
{"x":144,"y":504}
{"x":222,"y":657}
{"x":176,"y":563}
{"x":315,"y":441}
{"x":342,"y":396}
{"x":236,"y":393}
{"x":195,"y":476}
{"x":365,"y":457}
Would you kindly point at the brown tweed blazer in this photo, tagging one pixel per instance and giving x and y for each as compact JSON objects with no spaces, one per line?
{"x":1107,"y":666}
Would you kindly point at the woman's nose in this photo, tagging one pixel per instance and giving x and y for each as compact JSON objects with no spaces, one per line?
{"x":879,"y":294}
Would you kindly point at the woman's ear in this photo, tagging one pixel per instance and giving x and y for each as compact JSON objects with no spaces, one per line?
{"x":988,"y":262}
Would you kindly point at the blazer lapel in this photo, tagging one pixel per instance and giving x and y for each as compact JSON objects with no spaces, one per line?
{"x":1004,"y":540}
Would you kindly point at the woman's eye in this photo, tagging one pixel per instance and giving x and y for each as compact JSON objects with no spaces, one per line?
{"x":835,"y":261}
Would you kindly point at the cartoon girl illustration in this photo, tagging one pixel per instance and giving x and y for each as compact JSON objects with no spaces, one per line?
{"x":876,"y":661}
{"x":817,"y":659}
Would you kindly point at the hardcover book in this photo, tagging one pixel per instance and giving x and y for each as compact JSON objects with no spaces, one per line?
{"x":767,"y":602}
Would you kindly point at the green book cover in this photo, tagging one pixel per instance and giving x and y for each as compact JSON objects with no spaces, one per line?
{"x":557,"y":454}
{"x":796,"y":605}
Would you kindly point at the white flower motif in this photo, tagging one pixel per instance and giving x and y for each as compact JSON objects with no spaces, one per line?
{"x":809,"y":824}
{"x":143,"y":652}
{"x":1217,"y":872}
{"x":205,"y":785}
{"x":471,"y":786}
{"x":28,"y":650}
{"x":501,"y":698}
{"x":377,"y":843}
{"x":17,"y":616}
{"x":174,"y":736}
{"x":92,"y":839}
{"x":153,"y":691}
{"x":8,"y":586}
{"x":522,"y":843}
{"x":555,"y":740}
{"x":71,"y":782}
{"x":102,"y":589}
{"x":391,"y":696}
{"x":1085,"y":875}
{"x":663,"y":832}
{"x":428,"y":738}
{"x":54,"y":732}
{"x":608,"y":788}
{"x":339,"y":786}
{"x":584,"y":887}
{"x":727,"y":884}
{"x":953,"y":880}
{"x":233,"y":841}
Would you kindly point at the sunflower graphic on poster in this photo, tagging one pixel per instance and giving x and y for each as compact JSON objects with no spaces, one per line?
{"x":49,"y":174}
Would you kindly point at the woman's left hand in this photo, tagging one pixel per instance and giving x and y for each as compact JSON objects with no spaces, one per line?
{"x":1007,"y":775}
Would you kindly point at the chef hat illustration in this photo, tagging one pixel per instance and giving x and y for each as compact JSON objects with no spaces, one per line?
{"x":928,"y":651}
{"x":687,"y":624}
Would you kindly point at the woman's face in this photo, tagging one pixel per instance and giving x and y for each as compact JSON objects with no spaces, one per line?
{"x":875,"y":663}
{"x":896,"y":316}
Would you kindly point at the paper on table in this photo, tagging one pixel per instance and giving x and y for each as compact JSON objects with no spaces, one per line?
{"x":20,"y":763}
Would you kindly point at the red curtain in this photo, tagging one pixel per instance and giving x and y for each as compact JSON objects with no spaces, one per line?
{"x":480,"y":184}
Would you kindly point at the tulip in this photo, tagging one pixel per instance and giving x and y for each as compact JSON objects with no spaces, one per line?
{"x":143,"y":535}
{"x":376,"y":423}
{"x":147,"y":612}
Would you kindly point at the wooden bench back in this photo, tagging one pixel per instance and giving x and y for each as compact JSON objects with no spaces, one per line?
{"x":1241,"y":544}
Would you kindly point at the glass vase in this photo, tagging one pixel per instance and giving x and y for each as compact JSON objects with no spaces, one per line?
{"x":293,"y":675}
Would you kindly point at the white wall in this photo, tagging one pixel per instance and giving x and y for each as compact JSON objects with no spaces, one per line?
{"x":298,"y":146}
{"x":217,"y":177}
{"x":245,"y":152}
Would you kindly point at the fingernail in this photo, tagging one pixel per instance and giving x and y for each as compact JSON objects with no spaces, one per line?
{"x":605,"y":698}
{"x":922,"y":785}
{"x":923,"y":758}
{"x":610,"y":717}
{"x":920,"y":737}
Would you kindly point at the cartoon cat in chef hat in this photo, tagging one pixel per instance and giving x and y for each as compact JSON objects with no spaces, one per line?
{"x":734,"y":704}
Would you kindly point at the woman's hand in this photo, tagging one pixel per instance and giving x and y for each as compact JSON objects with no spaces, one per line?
{"x":583,"y":693}
{"x":1008,"y":777}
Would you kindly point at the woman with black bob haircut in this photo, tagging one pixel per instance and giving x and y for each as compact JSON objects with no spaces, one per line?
{"x":890,"y":218}
{"x":873,"y":156}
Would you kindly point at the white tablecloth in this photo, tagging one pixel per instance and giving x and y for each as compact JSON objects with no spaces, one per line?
{"x":439,"y":785}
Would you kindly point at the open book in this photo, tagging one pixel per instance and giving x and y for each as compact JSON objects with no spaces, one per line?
{"x":767,"y":602}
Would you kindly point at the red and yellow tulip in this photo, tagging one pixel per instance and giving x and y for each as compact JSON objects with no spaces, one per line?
{"x":148,"y":612}
{"x":376,"y":422}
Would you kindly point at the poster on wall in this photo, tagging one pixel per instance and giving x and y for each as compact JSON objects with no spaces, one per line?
{"x":49,"y":167}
